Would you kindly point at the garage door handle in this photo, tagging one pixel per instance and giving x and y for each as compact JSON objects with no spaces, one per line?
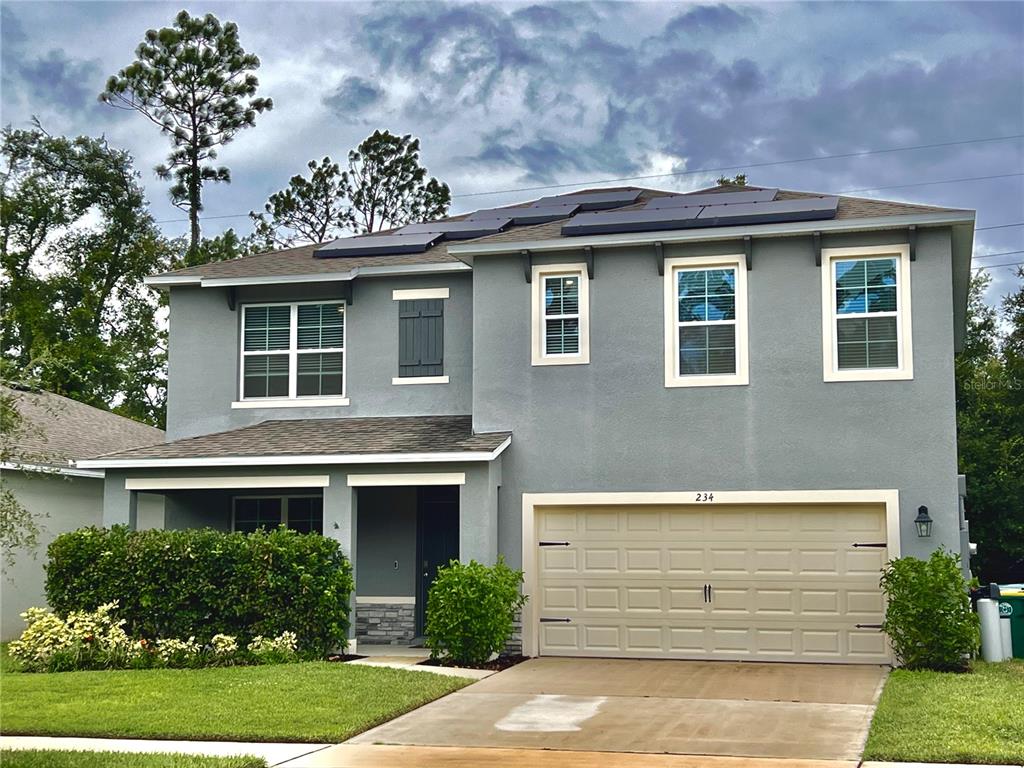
{"x":880,"y":545}
{"x":549,"y":621}
{"x":868,"y":626}
{"x":553,"y":543}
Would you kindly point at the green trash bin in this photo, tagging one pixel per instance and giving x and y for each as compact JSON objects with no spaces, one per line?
{"x":1011,"y":604}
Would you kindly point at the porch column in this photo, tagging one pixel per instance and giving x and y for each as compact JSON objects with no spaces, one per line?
{"x":340,"y":524}
{"x":120,"y":506}
{"x":478,"y":513}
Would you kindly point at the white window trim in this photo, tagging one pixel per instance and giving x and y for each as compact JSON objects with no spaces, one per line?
{"x":541,"y":271}
{"x":398,"y":380}
{"x":284,"y":504}
{"x":294,"y":400}
{"x":197,"y":483}
{"x":672,"y":377}
{"x":414,"y":294}
{"x":904,"y":330}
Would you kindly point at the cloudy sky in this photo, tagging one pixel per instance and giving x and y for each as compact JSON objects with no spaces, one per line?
{"x":513,"y":96}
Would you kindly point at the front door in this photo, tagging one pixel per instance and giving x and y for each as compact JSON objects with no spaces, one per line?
{"x":437,"y":539}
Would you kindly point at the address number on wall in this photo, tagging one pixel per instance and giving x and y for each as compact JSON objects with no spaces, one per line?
{"x":705,"y":496}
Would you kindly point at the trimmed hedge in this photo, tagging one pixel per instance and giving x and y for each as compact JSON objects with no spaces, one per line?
{"x":202,"y":582}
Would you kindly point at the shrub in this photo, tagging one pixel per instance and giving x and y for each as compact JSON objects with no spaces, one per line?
{"x":277,"y":650}
{"x":471,"y":610}
{"x":84,"y":640}
{"x":929,"y":619}
{"x":200,"y":582}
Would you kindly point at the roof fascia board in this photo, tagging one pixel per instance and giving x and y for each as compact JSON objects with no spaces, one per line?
{"x":48,"y":469}
{"x":158,"y":281}
{"x":264,"y":461}
{"x":717,"y":233}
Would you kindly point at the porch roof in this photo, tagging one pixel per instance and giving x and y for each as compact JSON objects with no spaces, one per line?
{"x":321,"y":441}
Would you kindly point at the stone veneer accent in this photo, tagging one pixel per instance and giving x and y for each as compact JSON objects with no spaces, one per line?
{"x":514,"y":644}
{"x":385,"y":623}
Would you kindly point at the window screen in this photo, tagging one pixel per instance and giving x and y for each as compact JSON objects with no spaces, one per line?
{"x":706,"y":321}
{"x":867,"y":313}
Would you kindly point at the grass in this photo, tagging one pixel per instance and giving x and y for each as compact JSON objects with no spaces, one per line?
{"x":957,"y":718}
{"x":307,"y":702}
{"x":52,"y":758}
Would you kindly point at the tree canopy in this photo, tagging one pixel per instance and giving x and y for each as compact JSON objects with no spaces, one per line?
{"x":196,"y":83}
{"x":76,"y":240}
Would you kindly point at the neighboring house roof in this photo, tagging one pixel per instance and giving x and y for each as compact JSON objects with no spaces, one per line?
{"x":57,"y":430}
{"x":301,"y":261}
{"x":326,"y":440}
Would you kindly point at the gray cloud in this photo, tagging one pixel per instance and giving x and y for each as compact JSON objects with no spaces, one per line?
{"x":352,"y":95}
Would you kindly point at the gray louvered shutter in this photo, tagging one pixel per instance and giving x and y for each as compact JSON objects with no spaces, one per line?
{"x":421,"y":338}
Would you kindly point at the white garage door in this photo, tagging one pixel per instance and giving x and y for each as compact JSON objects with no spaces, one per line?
{"x":766,"y":582}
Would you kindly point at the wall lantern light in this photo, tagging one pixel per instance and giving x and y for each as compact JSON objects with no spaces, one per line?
{"x":923,"y":522}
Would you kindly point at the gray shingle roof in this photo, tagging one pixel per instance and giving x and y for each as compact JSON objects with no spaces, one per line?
{"x":57,"y":430}
{"x":300,"y":260}
{"x":330,"y":437}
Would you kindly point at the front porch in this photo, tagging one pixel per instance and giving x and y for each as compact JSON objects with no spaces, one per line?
{"x":397,"y":516}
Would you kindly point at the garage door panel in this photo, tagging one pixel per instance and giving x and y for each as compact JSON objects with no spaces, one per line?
{"x":787,"y":584}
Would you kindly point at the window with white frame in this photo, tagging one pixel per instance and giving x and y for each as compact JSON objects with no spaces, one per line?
{"x":561,"y":321}
{"x":293,"y":351}
{"x":304,"y":514}
{"x":705,"y":322}
{"x":866,"y":319}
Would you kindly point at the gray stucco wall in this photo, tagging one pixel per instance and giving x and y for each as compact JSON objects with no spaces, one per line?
{"x":204,"y":354}
{"x":60,"y":504}
{"x":612,"y":425}
{"x":387,"y":542}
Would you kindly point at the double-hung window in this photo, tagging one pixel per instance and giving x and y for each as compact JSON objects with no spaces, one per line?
{"x":866,"y":313}
{"x":561,"y":314}
{"x":705,"y":321}
{"x":293,"y":353}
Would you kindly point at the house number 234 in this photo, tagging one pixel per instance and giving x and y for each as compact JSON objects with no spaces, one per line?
{"x":705,"y":496}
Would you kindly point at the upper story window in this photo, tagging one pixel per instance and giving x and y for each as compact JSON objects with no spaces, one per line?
{"x":866,"y":313}
{"x":705,"y":321}
{"x":294,"y":352}
{"x":561,"y":314}
{"x":420,"y":336}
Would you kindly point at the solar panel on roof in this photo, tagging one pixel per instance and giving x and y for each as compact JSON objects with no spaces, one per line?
{"x":713,"y":198}
{"x":591,"y":201}
{"x":691,"y":217}
{"x":527,"y":215}
{"x":776,"y":211}
{"x":457,"y":230}
{"x":630,"y":221}
{"x":373,"y":245}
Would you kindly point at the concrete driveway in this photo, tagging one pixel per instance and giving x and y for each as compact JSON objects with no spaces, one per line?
{"x":791,"y":711}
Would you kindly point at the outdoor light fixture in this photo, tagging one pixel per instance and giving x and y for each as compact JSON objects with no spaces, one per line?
{"x":923,"y":522}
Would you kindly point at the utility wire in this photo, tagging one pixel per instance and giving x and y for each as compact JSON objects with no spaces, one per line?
{"x":1003,"y":253}
{"x":845,"y":191}
{"x":744,"y":166}
{"x":1000,"y":226}
{"x":994,"y":266}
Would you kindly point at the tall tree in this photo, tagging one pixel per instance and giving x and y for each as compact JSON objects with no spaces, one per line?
{"x":195,"y":81}
{"x":312,"y":210}
{"x":387,"y":186}
{"x":76,"y":240}
{"x":990,"y":421}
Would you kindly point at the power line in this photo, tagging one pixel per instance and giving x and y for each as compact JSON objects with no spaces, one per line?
{"x":1003,"y":253}
{"x":1000,"y":226}
{"x":845,"y":191}
{"x":744,"y":166}
{"x":995,"y":266}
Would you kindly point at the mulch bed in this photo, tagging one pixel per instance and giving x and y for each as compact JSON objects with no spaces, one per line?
{"x":344,"y":657}
{"x":496,"y":665}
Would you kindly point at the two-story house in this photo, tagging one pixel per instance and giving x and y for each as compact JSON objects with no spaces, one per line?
{"x":699,"y":423}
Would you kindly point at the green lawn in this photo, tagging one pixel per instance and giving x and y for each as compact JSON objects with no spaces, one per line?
{"x":315,"y":701}
{"x":942,"y":717}
{"x":52,"y":758}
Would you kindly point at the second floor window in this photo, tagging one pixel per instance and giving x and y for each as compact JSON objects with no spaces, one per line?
{"x":561,"y":314}
{"x":293,"y":350}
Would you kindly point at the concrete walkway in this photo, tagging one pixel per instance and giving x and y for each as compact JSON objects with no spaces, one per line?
{"x":273,"y":753}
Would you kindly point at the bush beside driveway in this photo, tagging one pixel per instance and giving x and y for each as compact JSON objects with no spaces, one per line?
{"x":976,"y":717}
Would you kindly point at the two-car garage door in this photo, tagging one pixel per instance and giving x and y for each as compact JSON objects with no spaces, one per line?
{"x":765,"y":582}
